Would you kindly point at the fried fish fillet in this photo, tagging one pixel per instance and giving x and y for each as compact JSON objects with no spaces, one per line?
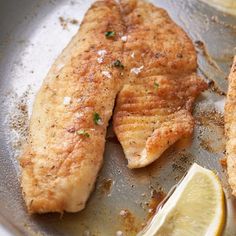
{"x":70,"y":116}
{"x":153,"y":110}
{"x":230,"y":128}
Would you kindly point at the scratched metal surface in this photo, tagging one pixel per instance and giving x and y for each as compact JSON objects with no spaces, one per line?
{"x":31,"y":36}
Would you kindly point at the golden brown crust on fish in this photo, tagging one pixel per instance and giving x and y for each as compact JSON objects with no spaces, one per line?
{"x":149,"y":118}
{"x":66,"y":143}
{"x":155,"y":41}
{"x":65,"y":146}
{"x":154,"y":108}
{"x":230,"y":128}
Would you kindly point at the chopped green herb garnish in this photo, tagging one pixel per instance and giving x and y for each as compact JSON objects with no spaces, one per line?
{"x":96,"y":118}
{"x":110,"y":34}
{"x":118,"y":63}
{"x":156,"y":85}
{"x":83,"y":132}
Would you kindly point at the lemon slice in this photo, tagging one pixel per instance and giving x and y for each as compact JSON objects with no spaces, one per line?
{"x":196,"y":207}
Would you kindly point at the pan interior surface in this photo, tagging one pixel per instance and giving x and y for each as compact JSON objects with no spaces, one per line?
{"x":32,"y":34}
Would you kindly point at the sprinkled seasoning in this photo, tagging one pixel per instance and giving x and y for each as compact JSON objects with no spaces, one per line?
{"x":124,"y":38}
{"x":102,"y":52}
{"x":106,"y":74}
{"x":123,"y":212}
{"x":66,"y":100}
{"x":137,"y":70}
{"x":83,"y":132}
{"x":100,"y":60}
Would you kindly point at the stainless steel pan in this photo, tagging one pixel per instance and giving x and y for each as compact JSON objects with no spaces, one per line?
{"x":32,"y":34}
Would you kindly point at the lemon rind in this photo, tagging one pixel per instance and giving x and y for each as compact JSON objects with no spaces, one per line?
{"x":217,"y":224}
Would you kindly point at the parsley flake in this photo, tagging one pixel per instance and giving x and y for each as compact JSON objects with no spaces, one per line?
{"x":83,"y":132}
{"x":118,"y":63}
{"x":97,"y":119}
{"x":110,"y":34}
{"x":156,"y":85}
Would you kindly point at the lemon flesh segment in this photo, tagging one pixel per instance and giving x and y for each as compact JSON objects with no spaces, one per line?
{"x":195,"y":208}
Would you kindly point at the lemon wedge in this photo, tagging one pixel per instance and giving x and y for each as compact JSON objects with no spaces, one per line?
{"x":196,"y":207}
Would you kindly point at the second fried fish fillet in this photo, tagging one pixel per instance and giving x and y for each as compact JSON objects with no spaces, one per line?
{"x":230,"y":128}
{"x":153,"y":109}
{"x":70,"y":115}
